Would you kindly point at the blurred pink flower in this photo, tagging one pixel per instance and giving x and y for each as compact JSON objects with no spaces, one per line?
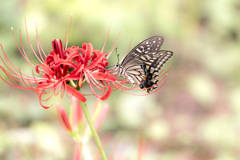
{"x":98,"y":116}
{"x":102,"y":116}
{"x":78,"y":151}
{"x":78,"y":116}
{"x":63,"y":117}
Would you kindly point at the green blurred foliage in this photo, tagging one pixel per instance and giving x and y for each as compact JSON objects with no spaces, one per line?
{"x":194,"y":116}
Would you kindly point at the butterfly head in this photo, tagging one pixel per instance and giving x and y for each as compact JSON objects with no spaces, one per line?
{"x":119,"y":69}
{"x":119,"y":66}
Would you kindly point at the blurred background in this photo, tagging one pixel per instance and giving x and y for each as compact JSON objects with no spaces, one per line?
{"x":195,"y":116}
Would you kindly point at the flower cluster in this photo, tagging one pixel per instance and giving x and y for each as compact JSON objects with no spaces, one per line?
{"x":65,"y":70}
{"x":61,"y":70}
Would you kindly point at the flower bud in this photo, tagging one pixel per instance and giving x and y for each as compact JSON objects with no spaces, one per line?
{"x":63,"y":117}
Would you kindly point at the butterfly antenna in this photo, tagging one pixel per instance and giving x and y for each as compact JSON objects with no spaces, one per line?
{"x":117,"y":55}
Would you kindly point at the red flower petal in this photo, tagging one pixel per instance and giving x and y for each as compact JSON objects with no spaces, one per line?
{"x":57,"y":47}
{"x":106,"y":96}
{"x":75,"y":93}
{"x":89,"y":49}
{"x":40,"y":101}
{"x":77,"y":69}
{"x":65,"y":62}
{"x":45,"y":68}
{"x":97,"y":60}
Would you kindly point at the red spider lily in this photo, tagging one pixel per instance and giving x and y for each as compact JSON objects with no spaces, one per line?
{"x":61,"y":70}
{"x":66,"y":70}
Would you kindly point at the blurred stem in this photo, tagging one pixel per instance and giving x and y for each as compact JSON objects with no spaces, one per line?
{"x":72,"y":84}
{"x":94,"y":132}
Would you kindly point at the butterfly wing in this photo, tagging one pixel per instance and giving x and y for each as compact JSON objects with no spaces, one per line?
{"x":146,"y":67}
{"x":151,"y":69}
{"x":149,"y":45}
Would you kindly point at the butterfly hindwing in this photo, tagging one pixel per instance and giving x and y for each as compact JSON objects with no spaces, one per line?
{"x":147,"y":66}
{"x":151,"y":69}
{"x":157,"y":59}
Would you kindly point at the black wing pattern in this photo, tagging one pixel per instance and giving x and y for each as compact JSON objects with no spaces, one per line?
{"x":146,"y":46}
{"x":144,"y":62}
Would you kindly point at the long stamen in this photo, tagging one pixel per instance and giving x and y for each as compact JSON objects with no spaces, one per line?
{"x":92,"y":82}
{"x":127,"y":51}
{"x":96,"y":84}
{"x":107,"y":36}
{"x":165,"y":72}
{"x":30,"y":41}
{"x":12,"y":71}
{"x":23,"y":51}
{"x":69,"y":30}
{"x":9,"y":77}
{"x":65,"y":38}
{"x":91,"y":87}
{"x":38,"y":41}
{"x":114,"y":45}
{"x":38,"y":46}
{"x":62,"y":91}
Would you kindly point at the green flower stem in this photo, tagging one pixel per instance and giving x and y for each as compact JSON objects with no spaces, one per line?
{"x":94,"y":132}
{"x":72,"y":84}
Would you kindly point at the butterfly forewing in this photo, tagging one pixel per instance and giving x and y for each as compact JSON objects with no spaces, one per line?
{"x":146,"y":46}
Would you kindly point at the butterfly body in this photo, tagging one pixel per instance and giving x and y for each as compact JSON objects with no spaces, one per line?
{"x":143,"y":63}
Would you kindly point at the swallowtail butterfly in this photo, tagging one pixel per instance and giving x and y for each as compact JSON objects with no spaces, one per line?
{"x":144,"y":62}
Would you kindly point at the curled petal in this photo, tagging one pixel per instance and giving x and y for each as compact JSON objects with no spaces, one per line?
{"x":49,"y":58}
{"x":77,"y":69}
{"x":89,"y":49}
{"x":75,"y":93}
{"x":71,"y":77}
{"x":106,"y":96}
{"x":65,"y":62}
{"x":96,"y":61}
{"x":40,"y":101}
{"x":57,"y":47}
{"x":45,"y":68}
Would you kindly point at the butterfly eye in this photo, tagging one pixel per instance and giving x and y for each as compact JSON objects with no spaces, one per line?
{"x":117,"y":65}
